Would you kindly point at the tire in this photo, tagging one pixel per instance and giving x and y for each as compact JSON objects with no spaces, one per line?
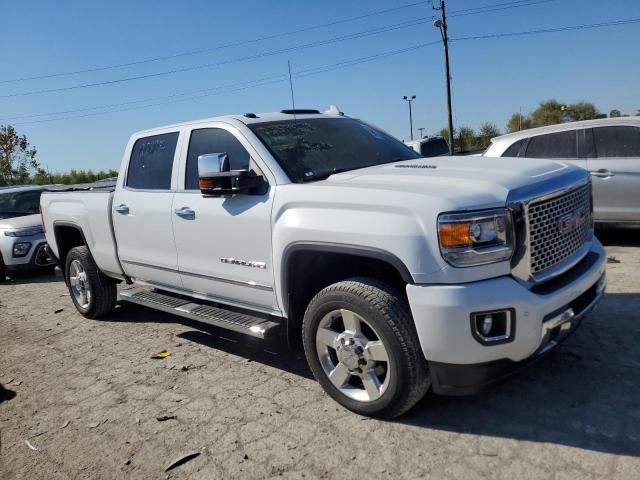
{"x":382,"y":317}
{"x":100,"y":292}
{"x":3,"y":270}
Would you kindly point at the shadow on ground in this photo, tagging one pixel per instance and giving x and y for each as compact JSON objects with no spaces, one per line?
{"x":6,"y":394}
{"x":34,"y":277}
{"x":611,"y":236}
{"x":583,"y":394}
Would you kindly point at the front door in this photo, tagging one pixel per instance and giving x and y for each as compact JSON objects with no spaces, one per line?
{"x":224,"y":243}
{"x":615,"y":171}
{"x":141,"y":212}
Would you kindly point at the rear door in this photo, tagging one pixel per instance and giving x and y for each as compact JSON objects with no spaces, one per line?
{"x":141,"y":210}
{"x":224,"y":243}
{"x":615,"y":169}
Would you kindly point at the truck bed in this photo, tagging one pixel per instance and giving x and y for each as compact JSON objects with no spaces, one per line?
{"x":87,"y":207}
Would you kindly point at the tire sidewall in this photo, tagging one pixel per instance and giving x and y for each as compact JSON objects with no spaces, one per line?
{"x":327,"y":302}
{"x":75,"y":255}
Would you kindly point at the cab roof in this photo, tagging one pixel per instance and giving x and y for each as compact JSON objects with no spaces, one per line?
{"x":253,"y":118}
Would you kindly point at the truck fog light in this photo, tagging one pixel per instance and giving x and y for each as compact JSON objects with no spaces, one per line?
{"x":21,"y":249}
{"x":487,"y":324}
{"x":494,"y":327}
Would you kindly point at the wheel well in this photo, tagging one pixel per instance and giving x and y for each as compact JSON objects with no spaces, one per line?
{"x":67,"y":237}
{"x":307,"y":272}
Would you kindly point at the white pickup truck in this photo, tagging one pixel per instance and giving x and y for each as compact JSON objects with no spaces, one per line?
{"x":400,"y":273}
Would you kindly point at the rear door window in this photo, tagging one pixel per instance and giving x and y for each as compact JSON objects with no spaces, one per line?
{"x":514,"y":149}
{"x":553,"y":145}
{"x":151,"y":162}
{"x":617,"y":142}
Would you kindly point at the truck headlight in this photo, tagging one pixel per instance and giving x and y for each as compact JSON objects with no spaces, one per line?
{"x":25,"y":232}
{"x":21,"y":249}
{"x":476,"y":238}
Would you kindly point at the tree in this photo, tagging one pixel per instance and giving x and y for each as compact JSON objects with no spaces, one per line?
{"x":17,"y":157}
{"x":485,"y":134}
{"x":615,"y":113}
{"x":518,"y":122}
{"x":580,"y":111}
{"x":467,"y":139}
{"x":548,"y":113}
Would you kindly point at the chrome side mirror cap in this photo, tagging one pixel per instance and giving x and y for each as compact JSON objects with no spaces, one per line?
{"x":211,"y":164}
{"x":216,"y":179}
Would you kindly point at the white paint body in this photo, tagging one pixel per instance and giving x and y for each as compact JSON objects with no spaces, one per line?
{"x":387,"y":208}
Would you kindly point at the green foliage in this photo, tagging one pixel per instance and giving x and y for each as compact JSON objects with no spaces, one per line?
{"x":73,"y":176}
{"x":553,"y":112}
{"x":17,"y":157}
{"x":467,"y":139}
{"x":615,"y":113}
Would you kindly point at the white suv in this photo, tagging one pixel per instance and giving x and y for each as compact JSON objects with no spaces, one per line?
{"x":22,"y":242}
{"x":609,"y":148}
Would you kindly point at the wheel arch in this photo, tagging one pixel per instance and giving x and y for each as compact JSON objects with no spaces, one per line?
{"x":68,"y":235}
{"x":331,"y":263}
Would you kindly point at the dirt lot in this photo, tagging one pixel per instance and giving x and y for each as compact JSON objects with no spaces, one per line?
{"x":86,"y":395}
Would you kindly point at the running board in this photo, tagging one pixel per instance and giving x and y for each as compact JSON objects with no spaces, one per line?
{"x":238,"y":322}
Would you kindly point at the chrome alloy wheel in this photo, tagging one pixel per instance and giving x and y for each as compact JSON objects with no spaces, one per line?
{"x":79,"y":284}
{"x":353,"y":356}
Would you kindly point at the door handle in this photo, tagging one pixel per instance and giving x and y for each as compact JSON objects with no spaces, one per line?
{"x":123,"y":209}
{"x":602,"y":173}
{"x":186,"y":213}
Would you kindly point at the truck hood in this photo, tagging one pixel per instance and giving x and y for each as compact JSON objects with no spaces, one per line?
{"x":466,"y":182}
{"x":16,"y":223}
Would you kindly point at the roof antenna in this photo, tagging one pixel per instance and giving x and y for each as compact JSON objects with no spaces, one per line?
{"x":293,"y":100}
{"x":293,"y":104}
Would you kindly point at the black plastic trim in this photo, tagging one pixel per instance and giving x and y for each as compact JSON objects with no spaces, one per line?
{"x":482,"y":340}
{"x":341,"y":248}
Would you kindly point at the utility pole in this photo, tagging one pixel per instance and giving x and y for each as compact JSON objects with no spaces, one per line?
{"x":441,"y":24}
{"x":421,"y":129}
{"x":410,"y":99}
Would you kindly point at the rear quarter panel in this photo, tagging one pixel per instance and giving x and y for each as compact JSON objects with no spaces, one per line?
{"x":91,"y":212}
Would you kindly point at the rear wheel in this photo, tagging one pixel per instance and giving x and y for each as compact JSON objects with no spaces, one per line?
{"x":362,"y":346}
{"x":3,"y":270}
{"x":93,"y":293}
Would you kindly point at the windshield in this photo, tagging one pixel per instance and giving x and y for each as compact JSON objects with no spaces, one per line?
{"x":314,"y":148}
{"x":434,"y":148}
{"x":18,"y":204}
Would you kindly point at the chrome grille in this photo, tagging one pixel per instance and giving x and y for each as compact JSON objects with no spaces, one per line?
{"x":558,"y":227}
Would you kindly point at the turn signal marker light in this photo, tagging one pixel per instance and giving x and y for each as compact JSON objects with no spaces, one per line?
{"x":454,"y":235}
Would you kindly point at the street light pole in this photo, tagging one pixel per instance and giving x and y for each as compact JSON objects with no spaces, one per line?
{"x":410,"y":99}
{"x":442,"y":25}
{"x":421,"y":129}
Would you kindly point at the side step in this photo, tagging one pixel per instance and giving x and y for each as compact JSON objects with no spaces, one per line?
{"x":220,"y":317}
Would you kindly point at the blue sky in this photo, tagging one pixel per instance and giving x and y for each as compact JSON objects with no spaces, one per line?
{"x":492,"y":78}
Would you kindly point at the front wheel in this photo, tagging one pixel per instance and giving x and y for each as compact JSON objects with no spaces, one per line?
{"x":362,"y":347}
{"x":93,"y":294}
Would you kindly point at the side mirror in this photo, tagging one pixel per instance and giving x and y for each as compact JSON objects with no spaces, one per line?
{"x":216,"y":179}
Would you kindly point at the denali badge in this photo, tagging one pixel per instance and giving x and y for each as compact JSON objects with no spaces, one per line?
{"x":244,"y":263}
{"x":572,"y":220}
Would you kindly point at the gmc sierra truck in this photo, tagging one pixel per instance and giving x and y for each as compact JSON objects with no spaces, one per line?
{"x":400,"y":273}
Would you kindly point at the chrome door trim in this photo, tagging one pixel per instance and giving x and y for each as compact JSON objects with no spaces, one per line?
{"x":241,"y":283}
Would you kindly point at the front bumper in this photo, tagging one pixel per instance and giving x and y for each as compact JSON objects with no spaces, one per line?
{"x":35,"y":258}
{"x":544,"y":316}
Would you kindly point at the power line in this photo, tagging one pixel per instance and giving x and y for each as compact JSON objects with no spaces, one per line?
{"x":218,"y":47}
{"x":273,"y":80}
{"x":353,"y":36}
{"x":550,"y":30}
{"x":496,"y":9}
{"x":515,"y":3}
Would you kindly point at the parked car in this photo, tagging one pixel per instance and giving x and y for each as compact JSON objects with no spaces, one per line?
{"x":398,"y":273}
{"x":609,"y":148}
{"x":429,"y":146}
{"x":22,"y":241}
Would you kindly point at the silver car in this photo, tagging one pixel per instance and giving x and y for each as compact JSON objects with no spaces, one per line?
{"x":22,"y":242}
{"x":609,"y":148}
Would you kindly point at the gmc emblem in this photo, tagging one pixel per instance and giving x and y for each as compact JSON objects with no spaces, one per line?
{"x":572,"y":221}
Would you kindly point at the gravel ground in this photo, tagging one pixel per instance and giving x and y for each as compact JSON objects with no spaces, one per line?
{"x":87,"y":396}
